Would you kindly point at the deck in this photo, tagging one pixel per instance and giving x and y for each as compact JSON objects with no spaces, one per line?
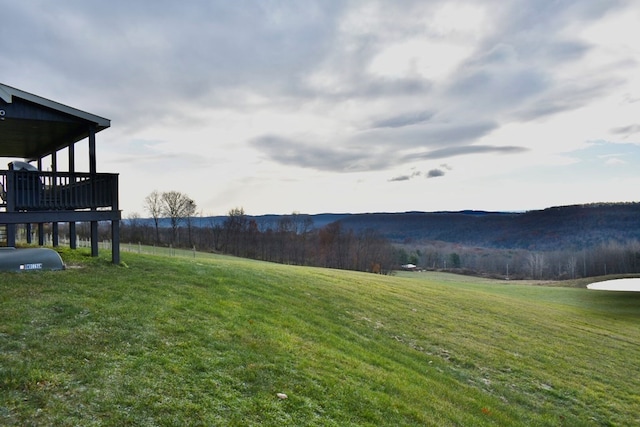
{"x":37,"y":130}
{"x":28,"y":191}
{"x":28,"y":197}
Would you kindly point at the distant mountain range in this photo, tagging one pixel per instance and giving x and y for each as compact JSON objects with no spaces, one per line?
{"x":565,"y":227}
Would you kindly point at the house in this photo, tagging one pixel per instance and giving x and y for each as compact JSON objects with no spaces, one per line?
{"x":33,"y":129}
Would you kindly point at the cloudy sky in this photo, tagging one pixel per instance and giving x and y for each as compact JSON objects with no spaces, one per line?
{"x":345,"y":106}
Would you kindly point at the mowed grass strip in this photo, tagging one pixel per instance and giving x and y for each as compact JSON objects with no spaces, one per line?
{"x":212,"y":340}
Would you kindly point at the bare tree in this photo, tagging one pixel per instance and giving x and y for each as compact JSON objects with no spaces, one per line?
{"x":537,"y":264}
{"x":571,"y":264}
{"x":216,"y":235}
{"x":133,"y":231}
{"x":234,"y":226}
{"x":190,"y":210}
{"x":153,"y":205}
{"x":303,"y":225}
{"x":176,"y":206}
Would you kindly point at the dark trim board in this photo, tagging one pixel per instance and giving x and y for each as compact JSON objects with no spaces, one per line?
{"x":58,"y":216}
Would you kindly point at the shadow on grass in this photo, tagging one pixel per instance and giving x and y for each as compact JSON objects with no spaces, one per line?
{"x":612,"y":303}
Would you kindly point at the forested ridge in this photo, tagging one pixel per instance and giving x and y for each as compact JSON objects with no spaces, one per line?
{"x":565,"y":227}
{"x":554,"y":243}
{"x":555,"y":228}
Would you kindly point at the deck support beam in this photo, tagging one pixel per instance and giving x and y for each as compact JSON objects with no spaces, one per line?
{"x":73,"y":236}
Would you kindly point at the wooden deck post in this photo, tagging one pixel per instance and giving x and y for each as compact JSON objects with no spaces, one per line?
{"x":40,"y":225}
{"x":115,"y":225}
{"x":115,"y":242}
{"x":55,"y":234}
{"x":11,"y":207}
{"x":92,"y":171}
{"x":72,"y":168}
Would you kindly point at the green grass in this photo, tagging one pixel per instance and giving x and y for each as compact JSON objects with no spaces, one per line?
{"x":210,"y":341}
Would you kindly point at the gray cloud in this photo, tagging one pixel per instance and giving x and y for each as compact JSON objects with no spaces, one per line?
{"x":570,"y":96}
{"x":499,"y":78}
{"x":376,"y":149}
{"x":466,"y":150}
{"x":421,"y":135}
{"x":401,"y":120}
{"x":503,"y":83}
{"x":372,"y":87}
{"x":151,"y":54}
{"x":163,"y":55}
{"x":435,"y":173}
{"x":315,"y":156}
{"x":142,"y":64}
{"x":405,"y":177}
{"x":626,"y":130}
{"x":513,"y":71}
{"x":400,"y":178}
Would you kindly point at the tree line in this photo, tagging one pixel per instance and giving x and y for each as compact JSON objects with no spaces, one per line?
{"x":293,"y":239}
{"x":606,"y":258}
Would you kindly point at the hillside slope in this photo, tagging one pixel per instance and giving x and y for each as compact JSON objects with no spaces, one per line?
{"x":212,"y":340}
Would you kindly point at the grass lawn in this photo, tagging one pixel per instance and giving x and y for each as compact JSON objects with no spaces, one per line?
{"x":162,"y":341}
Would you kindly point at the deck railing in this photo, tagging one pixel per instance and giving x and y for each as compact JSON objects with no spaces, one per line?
{"x":38,"y":191}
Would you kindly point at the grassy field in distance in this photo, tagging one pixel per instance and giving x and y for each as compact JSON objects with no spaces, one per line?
{"x":212,"y":340}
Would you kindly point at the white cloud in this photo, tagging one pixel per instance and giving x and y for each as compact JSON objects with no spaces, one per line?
{"x":427,"y":58}
{"x":614,"y":161}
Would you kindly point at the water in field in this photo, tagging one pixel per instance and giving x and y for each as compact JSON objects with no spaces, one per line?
{"x":625,"y":285}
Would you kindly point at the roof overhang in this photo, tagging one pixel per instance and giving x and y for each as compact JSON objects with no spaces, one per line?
{"x":32,"y":127}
